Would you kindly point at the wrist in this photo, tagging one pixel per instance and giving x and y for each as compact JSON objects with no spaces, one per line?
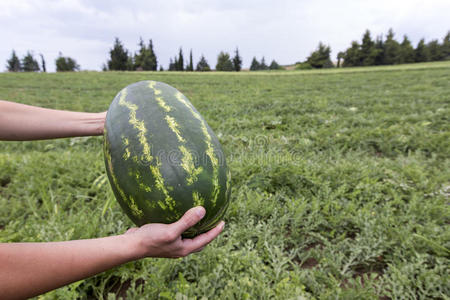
{"x":133,"y":248}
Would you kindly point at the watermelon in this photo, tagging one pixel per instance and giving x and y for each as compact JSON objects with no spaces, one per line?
{"x":162,"y":158}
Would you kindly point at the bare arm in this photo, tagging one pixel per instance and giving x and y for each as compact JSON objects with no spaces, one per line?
{"x":20,"y":122}
{"x":29,"y":269}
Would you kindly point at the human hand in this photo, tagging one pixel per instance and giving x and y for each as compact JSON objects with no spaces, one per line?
{"x":164,"y":240}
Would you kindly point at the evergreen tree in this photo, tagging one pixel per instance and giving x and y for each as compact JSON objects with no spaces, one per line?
{"x":161,"y":68}
{"x":274,"y":65}
{"x":262,"y":65}
{"x":255,"y":66}
{"x":224,"y":62}
{"x":202,"y":65}
{"x":391,"y":50}
{"x":119,"y":59}
{"x":321,"y":57}
{"x":66,"y":64}
{"x":406,"y":51}
{"x":446,"y":46}
{"x":172,"y":65}
{"x":434,"y":50}
{"x":179,"y":64}
{"x":44,"y":69}
{"x":190,"y":66}
{"x":29,"y":64}
{"x":153,"y":58}
{"x":237,"y":61}
{"x":421,"y":52}
{"x":352,"y":56}
{"x":145,"y":59}
{"x":14,"y":64}
{"x":368,"y":50}
{"x":379,"y":47}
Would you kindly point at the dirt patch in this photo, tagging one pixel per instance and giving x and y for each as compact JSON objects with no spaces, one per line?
{"x":4,"y":181}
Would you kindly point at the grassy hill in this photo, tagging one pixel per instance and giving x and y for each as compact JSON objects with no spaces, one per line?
{"x":341,"y":183}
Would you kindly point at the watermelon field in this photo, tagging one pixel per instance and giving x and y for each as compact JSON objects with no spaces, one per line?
{"x":340,"y":184}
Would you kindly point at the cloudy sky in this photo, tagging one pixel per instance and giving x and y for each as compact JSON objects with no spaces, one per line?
{"x":284,"y":30}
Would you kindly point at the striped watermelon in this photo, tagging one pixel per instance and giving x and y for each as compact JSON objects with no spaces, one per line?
{"x":162,"y":158}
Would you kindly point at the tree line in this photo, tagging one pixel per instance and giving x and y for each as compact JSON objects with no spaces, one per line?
{"x":370,"y":52}
{"x":121,"y":59}
{"x":29,"y":64}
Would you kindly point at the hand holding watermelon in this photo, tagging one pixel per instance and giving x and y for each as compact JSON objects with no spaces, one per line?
{"x":30,"y":269}
{"x":164,"y":240}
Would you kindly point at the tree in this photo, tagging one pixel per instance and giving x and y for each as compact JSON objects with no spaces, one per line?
{"x":255,"y":66}
{"x":262,"y":65}
{"x":190,"y":66}
{"x":446,"y":46}
{"x":379,"y":47}
{"x":202,"y":65}
{"x":368,"y":50}
{"x":391,"y":50}
{"x":321,"y":57}
{"x":274,"y":65}
{"x":66,"y":64}
{"x":406,"y":51}
{"x":44,"y":69}
{"x":352,"y":56}
{"x":29,"y":64}
{"x":154,"y":59}
{"x":119,"y":59}
{"x":340,"y":56}
{"x":179,"y":64}
{"x":224,"y":62}
{"x":421,"y":52}
{"x":13,"y":64}
{"x":172,"y":64}
{"x":434,"y":50}
{"x":145,"y":59}
{"x":237,"y":61}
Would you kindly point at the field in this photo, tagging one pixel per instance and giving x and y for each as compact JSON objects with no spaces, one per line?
{"x":341,"y":184}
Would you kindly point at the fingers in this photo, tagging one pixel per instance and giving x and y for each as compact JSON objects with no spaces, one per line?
{"x":199,"y":242}
{"x":189,"y":219}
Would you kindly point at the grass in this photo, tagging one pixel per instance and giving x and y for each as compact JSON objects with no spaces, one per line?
{"x":341,"y":184}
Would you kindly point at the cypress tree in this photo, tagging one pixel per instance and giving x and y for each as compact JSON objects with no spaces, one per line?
{"x":153,"y":58}
{"x":190,"y":66}
{"x":180,"y":62}
{"x":44,"y":69}
{"x":237,"y":61}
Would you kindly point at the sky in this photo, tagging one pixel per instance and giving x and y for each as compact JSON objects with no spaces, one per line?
{"x":284,"y":30}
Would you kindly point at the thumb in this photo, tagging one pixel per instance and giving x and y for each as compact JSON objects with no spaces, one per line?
{"x":189,"y":219}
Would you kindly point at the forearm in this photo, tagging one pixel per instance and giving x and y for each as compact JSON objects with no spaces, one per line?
{"x":29,"y":269}
{"x":19,"y":122}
